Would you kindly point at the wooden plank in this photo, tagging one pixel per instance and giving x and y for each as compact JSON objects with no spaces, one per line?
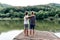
{"x":39,"y":35}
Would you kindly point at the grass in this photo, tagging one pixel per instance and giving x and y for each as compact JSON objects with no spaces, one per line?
{"x":18,"y":24}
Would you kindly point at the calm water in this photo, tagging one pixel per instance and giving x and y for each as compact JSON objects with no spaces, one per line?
{"x":11,"y":34}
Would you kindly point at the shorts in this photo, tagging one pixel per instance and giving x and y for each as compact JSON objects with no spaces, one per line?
{"x":32,"y":26}
{"x":25,"y":26}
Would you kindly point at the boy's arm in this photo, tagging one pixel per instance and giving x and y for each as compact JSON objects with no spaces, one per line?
{"x":28,"y":17}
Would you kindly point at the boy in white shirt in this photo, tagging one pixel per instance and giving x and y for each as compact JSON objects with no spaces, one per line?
{"x":26,"y":23}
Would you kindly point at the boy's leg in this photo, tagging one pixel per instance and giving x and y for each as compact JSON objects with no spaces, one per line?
{"x":26,"y":30}
{"x":30,"y":29}
{"x":33,"y":30}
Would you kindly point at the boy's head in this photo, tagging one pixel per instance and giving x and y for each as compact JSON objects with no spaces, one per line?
{"x":26,"y":13}
{"x":32,"y":13}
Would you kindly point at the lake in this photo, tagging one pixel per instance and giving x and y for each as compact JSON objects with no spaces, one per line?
{"x":6,"y":25}
{"x":11,"y":34}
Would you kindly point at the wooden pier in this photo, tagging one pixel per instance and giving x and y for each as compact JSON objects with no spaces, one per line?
{"x":39,"y":35}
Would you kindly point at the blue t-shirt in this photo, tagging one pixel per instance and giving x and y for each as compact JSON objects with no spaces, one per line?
{"x":32,"y":20}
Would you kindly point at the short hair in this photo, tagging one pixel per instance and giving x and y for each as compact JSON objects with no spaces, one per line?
{"x":32,"y":12}
{"x":26,"y":13}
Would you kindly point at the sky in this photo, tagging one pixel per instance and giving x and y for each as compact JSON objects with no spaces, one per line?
{"x":28,"y":2}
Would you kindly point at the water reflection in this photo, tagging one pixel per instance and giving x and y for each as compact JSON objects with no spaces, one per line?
{"x":57,"y":34}
{"x":9,"y":35}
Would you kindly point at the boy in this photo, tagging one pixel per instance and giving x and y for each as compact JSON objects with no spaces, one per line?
{"x":32,"y":23}
{"x":26,"y":23}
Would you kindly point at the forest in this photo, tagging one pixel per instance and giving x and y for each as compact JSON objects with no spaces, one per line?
{"x":41,"y":11}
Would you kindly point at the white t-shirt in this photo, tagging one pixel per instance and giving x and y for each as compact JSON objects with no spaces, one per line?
{"x":26,"y":20}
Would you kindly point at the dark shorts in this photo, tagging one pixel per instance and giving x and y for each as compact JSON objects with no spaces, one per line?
{"x":25,"y":26}
{"x":32,"y":26}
